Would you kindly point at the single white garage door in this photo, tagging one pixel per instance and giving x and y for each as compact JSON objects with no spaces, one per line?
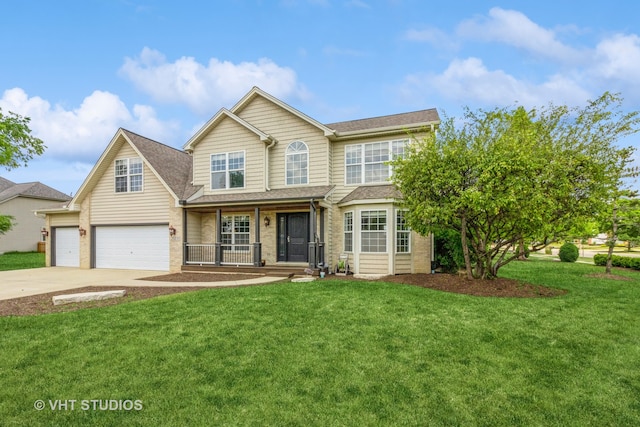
{"x":67,"y":246}
{"x":133,"y":247}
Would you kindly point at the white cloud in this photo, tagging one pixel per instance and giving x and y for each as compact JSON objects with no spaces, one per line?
{"x":514,"y":28}
{"x":572,"y":74}
{"x":83,"y":133}
{"x":618,"y":57}
{"x":206,"y":88}
{"x":469,"y":82}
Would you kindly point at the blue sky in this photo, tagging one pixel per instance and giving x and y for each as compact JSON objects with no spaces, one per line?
{"x":82,"y":69}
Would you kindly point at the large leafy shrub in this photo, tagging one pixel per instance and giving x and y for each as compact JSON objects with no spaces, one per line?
{"x":617,"y":261}
{"x":568,"y":252}
{"x":448,"y":250}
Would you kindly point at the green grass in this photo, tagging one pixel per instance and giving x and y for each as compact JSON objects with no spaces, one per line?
{"x":338,"y":353}
{"x":21,"y":260}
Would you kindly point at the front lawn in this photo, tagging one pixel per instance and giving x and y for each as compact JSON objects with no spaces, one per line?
{"x":21,"y":260}
{"x":336,"y":353}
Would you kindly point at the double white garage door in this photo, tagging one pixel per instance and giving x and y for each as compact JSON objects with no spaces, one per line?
{"x":126,"y":247}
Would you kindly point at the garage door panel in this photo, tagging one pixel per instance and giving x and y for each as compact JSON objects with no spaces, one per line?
{"x":67,"y":247}
{"x":133,"y":247}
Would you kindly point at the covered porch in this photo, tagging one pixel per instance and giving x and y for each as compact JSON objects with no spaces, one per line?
{"x":271,"y":230}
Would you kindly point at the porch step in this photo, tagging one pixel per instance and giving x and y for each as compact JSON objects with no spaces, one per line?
{"x":278,"y":271}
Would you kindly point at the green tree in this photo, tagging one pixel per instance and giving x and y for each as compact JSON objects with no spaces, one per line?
{"x":17,"y":147}
{"x":620,"y":191}
{"x":506,"y":176}
{"x":6,"y":221}
{"x":629,"y":221}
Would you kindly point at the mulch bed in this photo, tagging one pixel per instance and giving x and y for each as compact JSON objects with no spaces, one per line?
{"x":42,"y":304}
{"x":498,"y":287}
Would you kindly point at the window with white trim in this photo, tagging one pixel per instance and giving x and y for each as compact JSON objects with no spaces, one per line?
{"x":128,"y":175}
{"x":369,"y":163}
{"x":348,"y":232}
{"x":297,"y":163}
{"x":227,"y":170}
{"x":373,"y":231}
{"x":235,"y":230}
{"x":403,"y":233}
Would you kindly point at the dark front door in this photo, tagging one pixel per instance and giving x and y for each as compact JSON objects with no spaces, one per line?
{"x":293,"y":237}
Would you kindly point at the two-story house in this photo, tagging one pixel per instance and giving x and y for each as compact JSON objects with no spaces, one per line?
{"x":261,"y":184}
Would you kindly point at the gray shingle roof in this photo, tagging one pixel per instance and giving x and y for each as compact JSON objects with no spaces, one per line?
{"x":288,"y":194}
{"x":33,"y":189}
{"x":372,"y":192}
{"x":415,"y":118}
{"x":173,"y":166}
{"x":5,"y":183}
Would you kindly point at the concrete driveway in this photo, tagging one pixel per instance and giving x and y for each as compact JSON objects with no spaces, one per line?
{"x":21,"y":283}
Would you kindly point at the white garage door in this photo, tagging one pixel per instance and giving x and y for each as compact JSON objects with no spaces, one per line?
{"x":133,"y":247}
{"x":67,"y":247}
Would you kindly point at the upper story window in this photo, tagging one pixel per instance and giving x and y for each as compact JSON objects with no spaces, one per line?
{"x":368,"y":163}
{"x":128,"y":175}
{"x":297,"y":163}
{"x":227,"y":170}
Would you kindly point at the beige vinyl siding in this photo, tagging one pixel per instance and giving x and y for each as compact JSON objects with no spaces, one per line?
{"x":64,"y":220}
{"x":403,"y":264}
{"x":287,"y":128}
{"x":370,"y":263}
{"x":25,"y":233}
{"x":149,"y":206}
{"x":229,"y":136}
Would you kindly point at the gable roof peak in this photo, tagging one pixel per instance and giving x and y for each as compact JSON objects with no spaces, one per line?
{"x":215,"y":120}
{"x":256,"y":91}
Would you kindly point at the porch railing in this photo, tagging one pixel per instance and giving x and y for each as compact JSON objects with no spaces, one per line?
{"x":222,"y":254}
{"x":236,"y":255}
{"x":200,"y":254}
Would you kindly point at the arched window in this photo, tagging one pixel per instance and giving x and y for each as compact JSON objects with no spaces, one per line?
{"x":297,"y":163}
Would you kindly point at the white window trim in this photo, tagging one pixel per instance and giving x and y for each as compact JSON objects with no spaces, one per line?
{"x":395,"y":238}
{"x":386,"y":231}
{"x":234,"y":233}
{"x":363,"y":163}
{"x":128,"y":175}
{"x":286,"y":163}
{"x":344,"y":231}
{"x":227,"y":171}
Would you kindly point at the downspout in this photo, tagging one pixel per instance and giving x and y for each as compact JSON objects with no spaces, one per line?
{"x":266,"y":165}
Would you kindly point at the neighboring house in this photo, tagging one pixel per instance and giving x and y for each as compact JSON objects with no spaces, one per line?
{"x":20,"y":201}
{"x":259,"y":184}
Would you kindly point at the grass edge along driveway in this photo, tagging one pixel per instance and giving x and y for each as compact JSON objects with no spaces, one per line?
{"x":336,"y":353}
{"x":21,"y":260}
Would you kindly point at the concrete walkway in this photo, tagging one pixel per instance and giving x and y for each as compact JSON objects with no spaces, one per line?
{"x":21,"y":283}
